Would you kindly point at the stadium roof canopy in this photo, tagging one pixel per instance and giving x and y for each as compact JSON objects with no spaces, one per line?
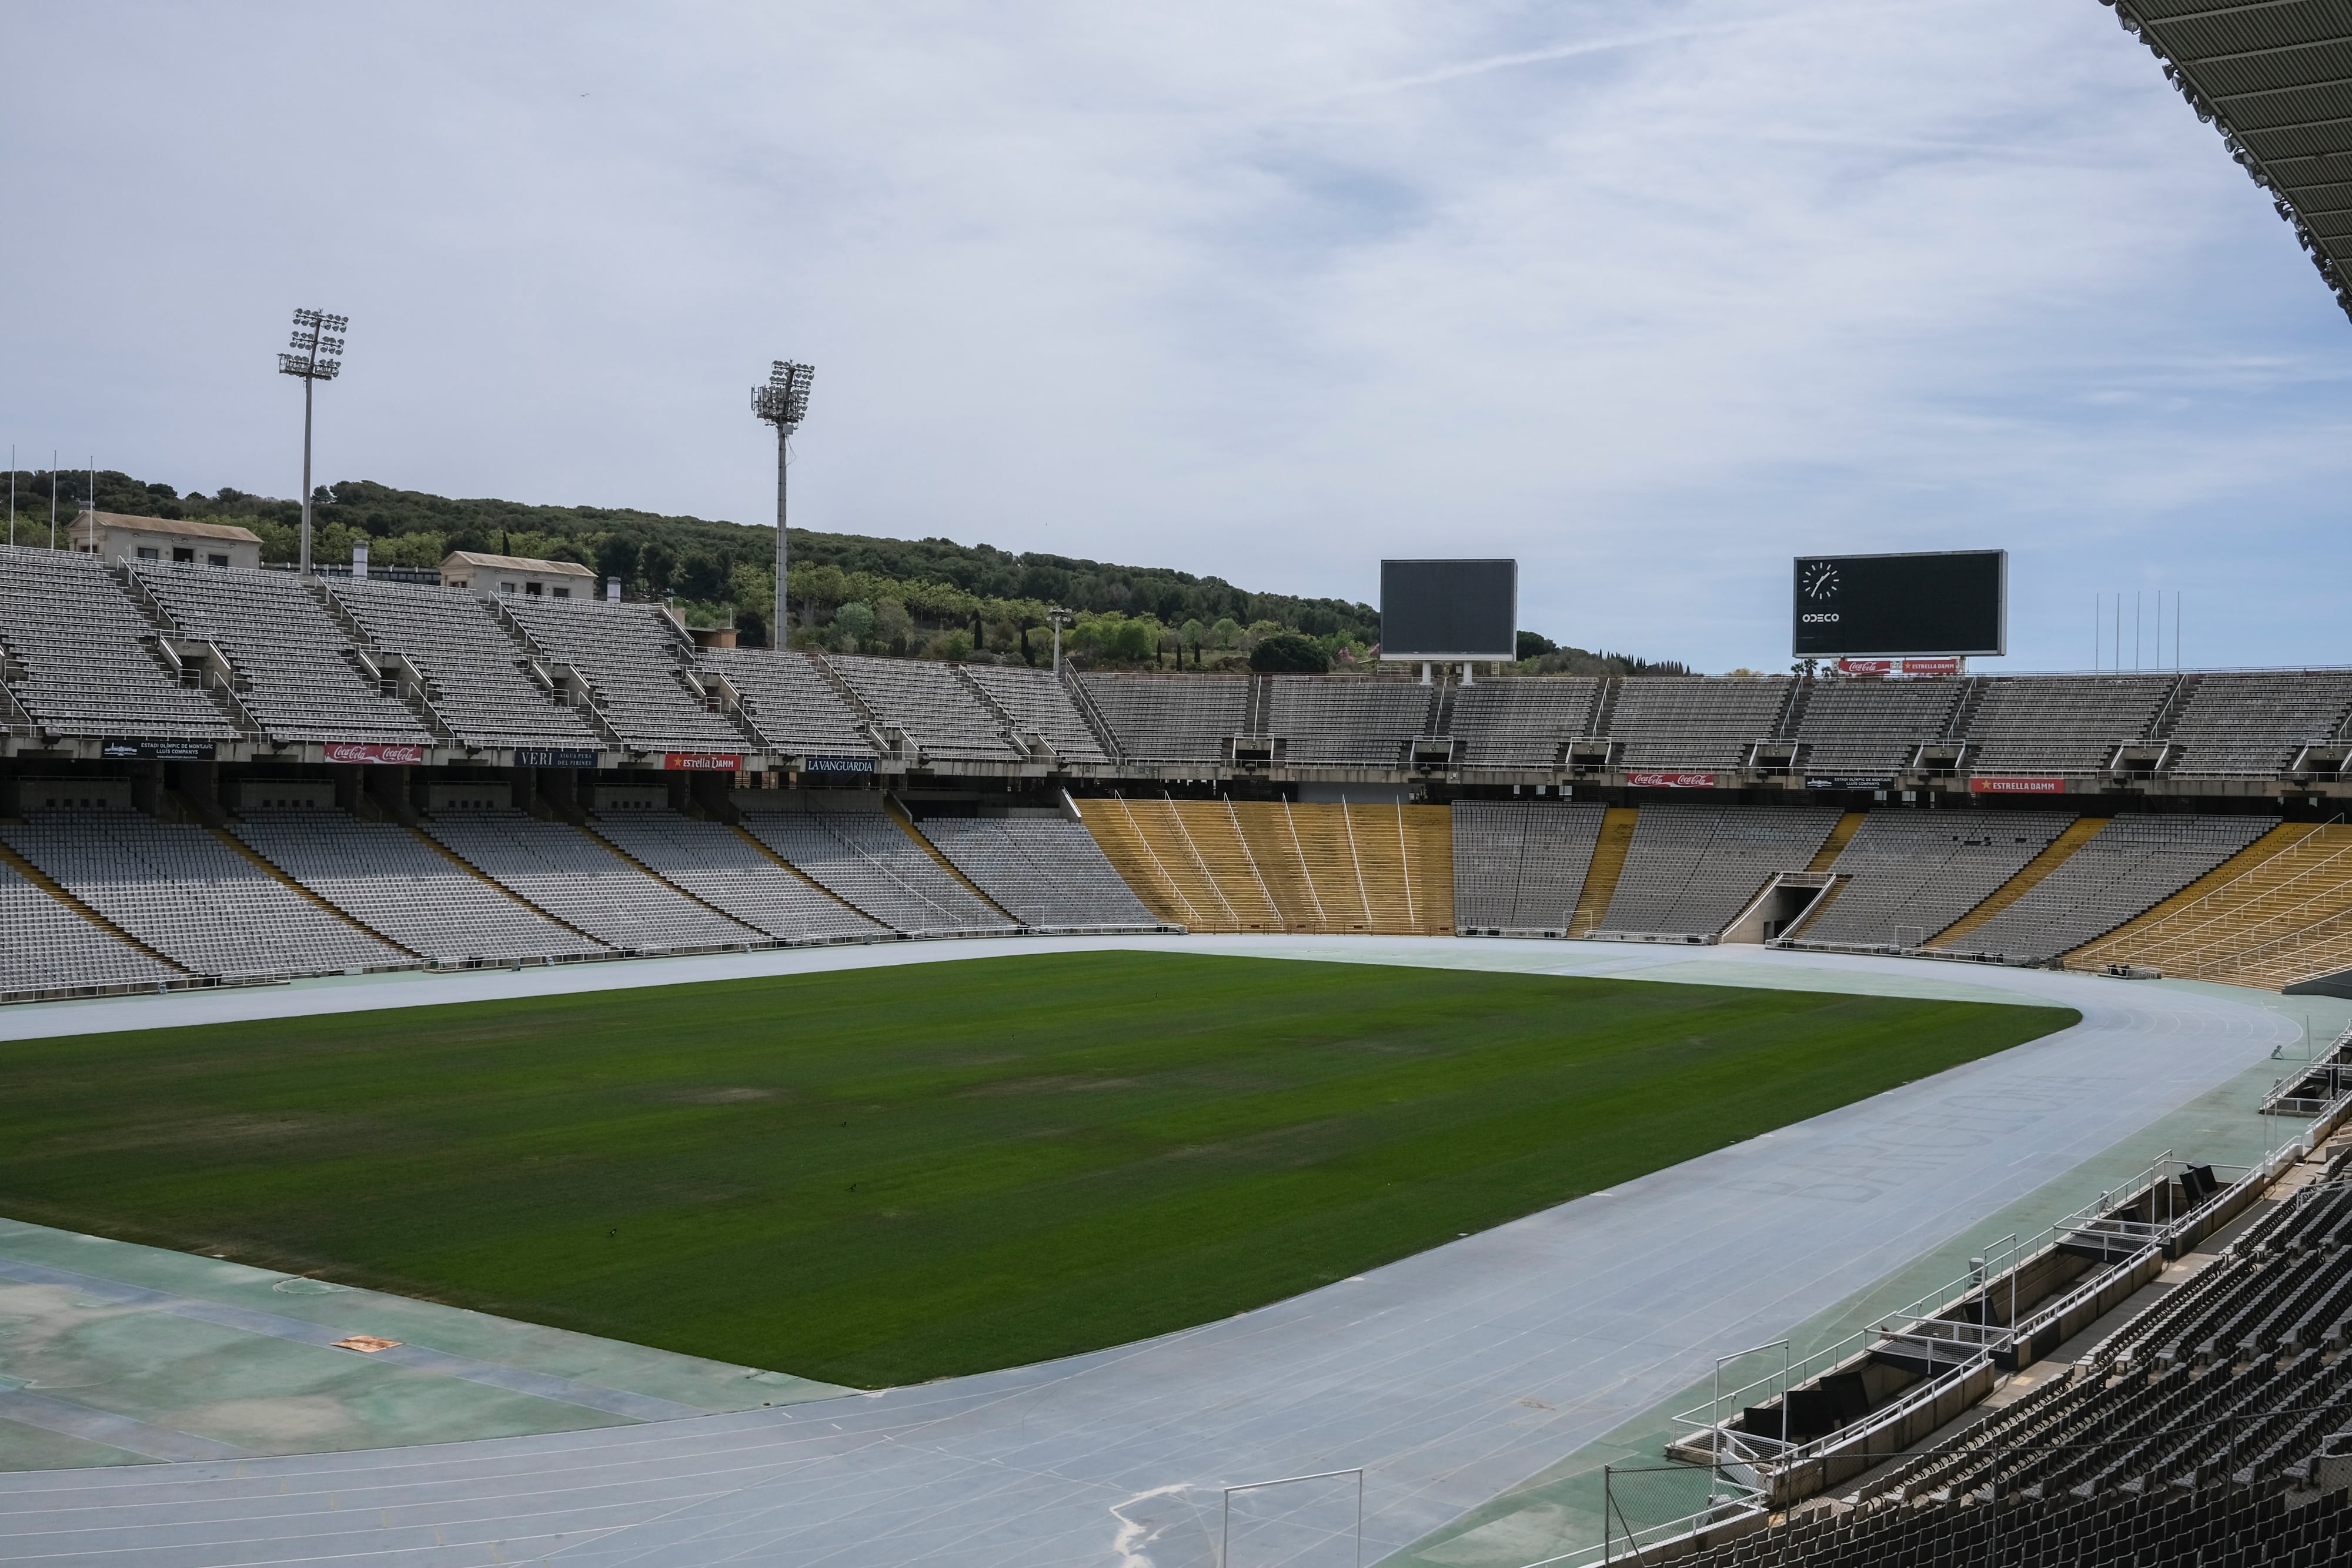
{"x":2274,"y":76}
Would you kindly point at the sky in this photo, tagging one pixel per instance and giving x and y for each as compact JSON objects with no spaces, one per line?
{"x":1650,"y":295}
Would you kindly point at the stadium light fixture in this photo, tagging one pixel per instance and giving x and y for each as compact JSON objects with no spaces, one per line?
{"x":783,"y":402}
{"x":317,"y":356}
{"x":1060,"y":618}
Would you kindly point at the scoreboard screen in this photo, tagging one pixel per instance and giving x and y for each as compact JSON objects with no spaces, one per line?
{"x":1443,"y":610}
{"x":1939,"y":601}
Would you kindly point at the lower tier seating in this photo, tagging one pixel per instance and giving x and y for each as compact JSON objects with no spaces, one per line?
{"x":865,"y":860}
{"x":1046,"y":872}
{"x":2126,"y":867}
{"x":2277,"y":912}
{"x":1690,"y":869}
{"x":1913,"y":873}
{"x":556,"y":867}
{"x":50,"y":947}
{"x":720,"y":867}
{"x":1272,"y":866}
{"x":1519,"y":869}
{"x":389,"y":881}
{"x":189,"y":897}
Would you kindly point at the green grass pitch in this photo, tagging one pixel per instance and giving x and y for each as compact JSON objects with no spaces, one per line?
{"x":882,"y":1176}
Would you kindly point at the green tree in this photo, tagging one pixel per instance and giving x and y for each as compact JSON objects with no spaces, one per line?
{"x":855,"y":622}
{"x":1289,"y":651}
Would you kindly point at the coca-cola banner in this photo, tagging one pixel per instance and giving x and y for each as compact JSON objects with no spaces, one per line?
{"x":371,"y":751}
{"x":1671,"y":780}
{"x":1865,"y":666}
{"x":701,"y":762}
{"x":2017,"y":786}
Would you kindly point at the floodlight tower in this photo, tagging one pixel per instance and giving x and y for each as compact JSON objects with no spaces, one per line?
{"x":317,"y":347}
{"x":1060,"y":618}
{"x":783,"y":402}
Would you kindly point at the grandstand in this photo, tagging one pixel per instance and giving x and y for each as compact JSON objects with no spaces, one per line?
{"x":942,"y":717}
{"x":729,"y":872}
{"x":1342,"y":722}
{"x":1036,"y":702}
{"x":2126,"y":867}
{"x":854,"y":850}
{"x":1043,"y":871}
{"x":296,"y":674}
{"x":1690,"y":869}
{"x":400,"y":885}
{"x":2063,"y":724}
{"x":1519,"y":869}
{"x":78,"y":659}
{"x":1172,"y":718}
{"x":1909,"y":875}
{"x":473,"y":678}
{"x":181,"y":891}
{"x":790,"y":704}
{"x":638,"y":667}
{"x":566,"y":874}
{"x":1696,"y":721}
{"x":1519,"y":724}
{"x":53,"y":949}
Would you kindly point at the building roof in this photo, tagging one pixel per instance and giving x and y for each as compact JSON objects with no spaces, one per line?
{"x":179,"y":526}
{"x":2275,"y":77}
{"x":478,"y":561}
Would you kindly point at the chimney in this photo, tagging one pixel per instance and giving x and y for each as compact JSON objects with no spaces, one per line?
{"x":359,"y":560}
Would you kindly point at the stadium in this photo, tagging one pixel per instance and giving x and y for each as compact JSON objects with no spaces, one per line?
{"x":494,"y":1070}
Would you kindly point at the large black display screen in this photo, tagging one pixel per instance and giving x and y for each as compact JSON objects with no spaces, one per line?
{"x":1449,"y":609}
{"x":1945,"y":601}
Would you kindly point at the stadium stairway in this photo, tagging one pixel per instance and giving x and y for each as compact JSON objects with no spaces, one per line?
{"x":1608,"y":864}
{"x":2278,"y":912}
{"x":2077,"y":834}
{"x":1839,"y":836}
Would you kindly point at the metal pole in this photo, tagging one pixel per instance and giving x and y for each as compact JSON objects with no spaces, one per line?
{"x":308,"y":383}
{"x":780,"y":636}
{"x":53,"y":497}
{"x":12,"y":495}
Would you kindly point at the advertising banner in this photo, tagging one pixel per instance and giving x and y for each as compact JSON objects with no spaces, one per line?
{"x":837,"y":765}
{"x":1671,"y":780}
{"x":554,"y":757}
{"x":1841,"y":783}
{"x":161,"y":750}
{"x":2017,"y":786}
{"x":371,"y":751}
{"x":1865,"y":666}
{"x":1931,"y":667}
{"x":700,"y":762}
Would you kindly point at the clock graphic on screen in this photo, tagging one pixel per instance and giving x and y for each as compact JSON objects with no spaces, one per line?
{"x":1819,"y":580}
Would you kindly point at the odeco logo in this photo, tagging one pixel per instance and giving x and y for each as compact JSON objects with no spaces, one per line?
{"x":1820,"y":620}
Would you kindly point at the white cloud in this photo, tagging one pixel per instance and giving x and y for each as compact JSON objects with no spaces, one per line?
{"x":1651,"y":297}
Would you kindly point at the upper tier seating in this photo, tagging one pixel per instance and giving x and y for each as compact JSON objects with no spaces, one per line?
{"x":478,"y":680}
{"x":562,"y":870}
{"x":191,"y":897}
{"x":1050,"y":874}
{"x":930,"y":705}
{"x":1171,"y":718}
{"x":864,"y":858}
{"x":711,"y":861}
{"x":633,"y":658}
{"x":304,"y":682}
{"x":1519,"y":869}
{"x":1348,"y":720}
{"x":1915,"y":873}
{"x":50,"y":948}
{"x":1873,"y":726}
{"x":1038,"y":701}
{"x":2250,"y":724}
{"x":1520,"y":723}
{"x":789,"y":703}
{"x":1690,"y":869}
{"x":1695,"y":721}
{"x":389,"y":880}
{"x":84,"y":657}
{"x":2061,"y":724}
{"x":2124,"y":870}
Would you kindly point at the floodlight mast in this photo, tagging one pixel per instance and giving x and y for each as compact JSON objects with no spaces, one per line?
{"x":783,"y":402}
{"x":1060,"y":618}
{"x":317,"y":357}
